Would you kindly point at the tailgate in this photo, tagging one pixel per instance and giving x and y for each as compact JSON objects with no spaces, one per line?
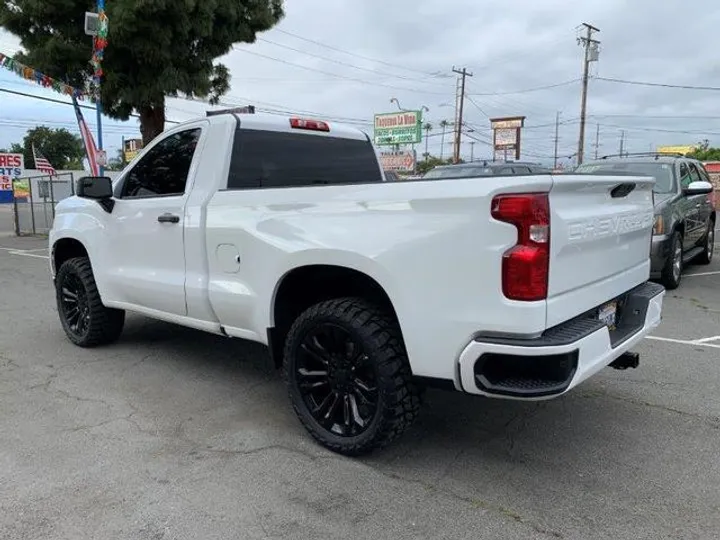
{"x":600,"y":229}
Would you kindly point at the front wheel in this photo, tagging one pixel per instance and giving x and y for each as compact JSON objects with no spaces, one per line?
{"x":348,"y":376}
{"x":709,"y":248}
{"x":86,"y":321}
{"x":672,"y":272}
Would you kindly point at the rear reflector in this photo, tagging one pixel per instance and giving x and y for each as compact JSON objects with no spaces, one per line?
{"x":313,"y":125}
{"x":525,"y":266}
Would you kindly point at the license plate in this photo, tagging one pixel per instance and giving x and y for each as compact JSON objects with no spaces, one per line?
{"x":607,"y":314}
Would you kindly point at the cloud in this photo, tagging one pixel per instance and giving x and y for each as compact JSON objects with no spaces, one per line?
{"x":406,"y":49}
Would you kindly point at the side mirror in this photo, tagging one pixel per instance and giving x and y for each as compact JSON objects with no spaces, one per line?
{"x":97,"y":188}
{"x":698,"y":188}
{"x":94,"y":187}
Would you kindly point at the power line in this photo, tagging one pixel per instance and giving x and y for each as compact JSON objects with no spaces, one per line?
{"x":660,"y":85}
{"x":471,"y":100}
{"x":341,"y":63}
{"x":336,"y":49}
{"x":363,"y":81}
{"x":526,"y":90}
{"x":60,"y":102}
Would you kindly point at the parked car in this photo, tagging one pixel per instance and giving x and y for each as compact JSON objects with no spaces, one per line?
{"x":485,"y":168}
{"x":282,"y":231}
{"x":684,"y":228}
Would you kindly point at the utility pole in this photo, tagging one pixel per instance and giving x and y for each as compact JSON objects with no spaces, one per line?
{"x":460,"y":102}
{"x":557,"y":138}
{"x":597,"y":141}
{"x":472,"y":150}
{"x":590,"y":47}
{"x":622,"y":142}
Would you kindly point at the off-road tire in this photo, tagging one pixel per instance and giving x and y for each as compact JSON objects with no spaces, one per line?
{"x":671,"y":277}
{"x":103,"y":325}
{"x":379,"y":336}
{"x":709,"y":249}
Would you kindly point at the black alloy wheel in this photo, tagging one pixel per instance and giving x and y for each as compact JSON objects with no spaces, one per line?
{"x":74,"y":304}
{"x":86,"y":321}
{"x":348,"y":376}
{"x":337,"y":382}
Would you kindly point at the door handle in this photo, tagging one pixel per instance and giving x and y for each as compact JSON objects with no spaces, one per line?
{"x":168,"y":218}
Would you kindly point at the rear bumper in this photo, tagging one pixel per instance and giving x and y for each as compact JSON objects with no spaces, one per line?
{"x":563,"y":356}
{"x":659,"y":252}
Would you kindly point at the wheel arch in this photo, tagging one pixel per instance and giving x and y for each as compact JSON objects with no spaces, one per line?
{"x":309,"y":284}
{"x":66,"y":248}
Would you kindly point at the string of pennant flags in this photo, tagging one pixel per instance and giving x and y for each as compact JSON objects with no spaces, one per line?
{"x":99,"y":44}
{"x":33,"y":75}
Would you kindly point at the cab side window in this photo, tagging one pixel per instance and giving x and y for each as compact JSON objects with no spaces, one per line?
{"x":694,"y":174}
{"x":163,"y":171}
{"x":685,"y":177}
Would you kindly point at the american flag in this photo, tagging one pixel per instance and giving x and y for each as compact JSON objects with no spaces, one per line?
{"x":90,"y":148}
{"x":42,"y":164}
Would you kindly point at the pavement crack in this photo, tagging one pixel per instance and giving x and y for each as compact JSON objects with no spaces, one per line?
{"x":476,"y":503}
{"x":261,"y":449}
{"x":713,"y":421}
{"x":81,"y":399}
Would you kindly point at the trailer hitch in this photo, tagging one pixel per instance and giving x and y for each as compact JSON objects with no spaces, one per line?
{"x":626,"y":360}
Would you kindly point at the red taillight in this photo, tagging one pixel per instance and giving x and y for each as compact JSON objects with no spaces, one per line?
{"x":525,"y":266}
{"x":314,"y":125}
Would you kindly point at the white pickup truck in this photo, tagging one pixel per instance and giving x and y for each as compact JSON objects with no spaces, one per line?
{"x":282,"y":231}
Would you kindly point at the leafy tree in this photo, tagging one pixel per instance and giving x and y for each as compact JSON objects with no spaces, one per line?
{"x":704,"y":152}
{"x":430,"y":162}
{"x":155,"y":49}
{"x":117,"y":163}
{"x":60,"y":147}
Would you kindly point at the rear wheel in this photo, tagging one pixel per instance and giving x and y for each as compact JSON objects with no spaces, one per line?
{"x":709,"y":248}
{"x":86,"y":321}
{"x":348,"y":376}
{"x":672,"y":272}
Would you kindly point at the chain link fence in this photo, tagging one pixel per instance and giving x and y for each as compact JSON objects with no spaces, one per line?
{"x":35,"y":200}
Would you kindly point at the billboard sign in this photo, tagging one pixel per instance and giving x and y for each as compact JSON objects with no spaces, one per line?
{"x":12,"y":167}
{"x":398,"y":161}
{"x":402,"y":127}
{"x":131,"y":147}
{"x":506,"y":135}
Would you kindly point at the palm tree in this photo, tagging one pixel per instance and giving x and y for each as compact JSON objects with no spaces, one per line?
{"x":428,"y":128}
{"x":444,"y":124}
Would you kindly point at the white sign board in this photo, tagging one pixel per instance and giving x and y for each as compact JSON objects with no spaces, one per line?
{"x":12,"y":167}
{"x":398,"y":161}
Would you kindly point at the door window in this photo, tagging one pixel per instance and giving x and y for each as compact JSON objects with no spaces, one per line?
{"x":685,"y":177}
{"x":694,"y":173}
{"x":163,"y":171}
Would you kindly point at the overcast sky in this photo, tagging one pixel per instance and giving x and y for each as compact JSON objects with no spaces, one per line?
{"x":407,"y":49}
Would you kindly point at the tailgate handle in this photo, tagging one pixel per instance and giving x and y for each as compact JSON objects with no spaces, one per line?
{"x":622,"y":190}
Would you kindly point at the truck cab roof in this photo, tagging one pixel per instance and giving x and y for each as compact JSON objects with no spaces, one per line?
{"x":288,"y":124}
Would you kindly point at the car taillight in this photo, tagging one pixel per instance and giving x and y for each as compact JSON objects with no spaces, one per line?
{"x":525,"y":266}
{"x":313,"y":125}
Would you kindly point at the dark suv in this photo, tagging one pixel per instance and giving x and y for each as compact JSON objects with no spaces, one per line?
{"x":684,"y":214}
{"x":485,"y":168}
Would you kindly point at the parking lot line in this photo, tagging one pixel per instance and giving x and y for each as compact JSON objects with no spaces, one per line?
{"x":705,"y":340}
{"x":25,"y":252}
{"x":694,"y":342}
{"x":715,"y":273}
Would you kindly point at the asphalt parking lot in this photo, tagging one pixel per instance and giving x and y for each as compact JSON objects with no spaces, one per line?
{"x":174,"y":434}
